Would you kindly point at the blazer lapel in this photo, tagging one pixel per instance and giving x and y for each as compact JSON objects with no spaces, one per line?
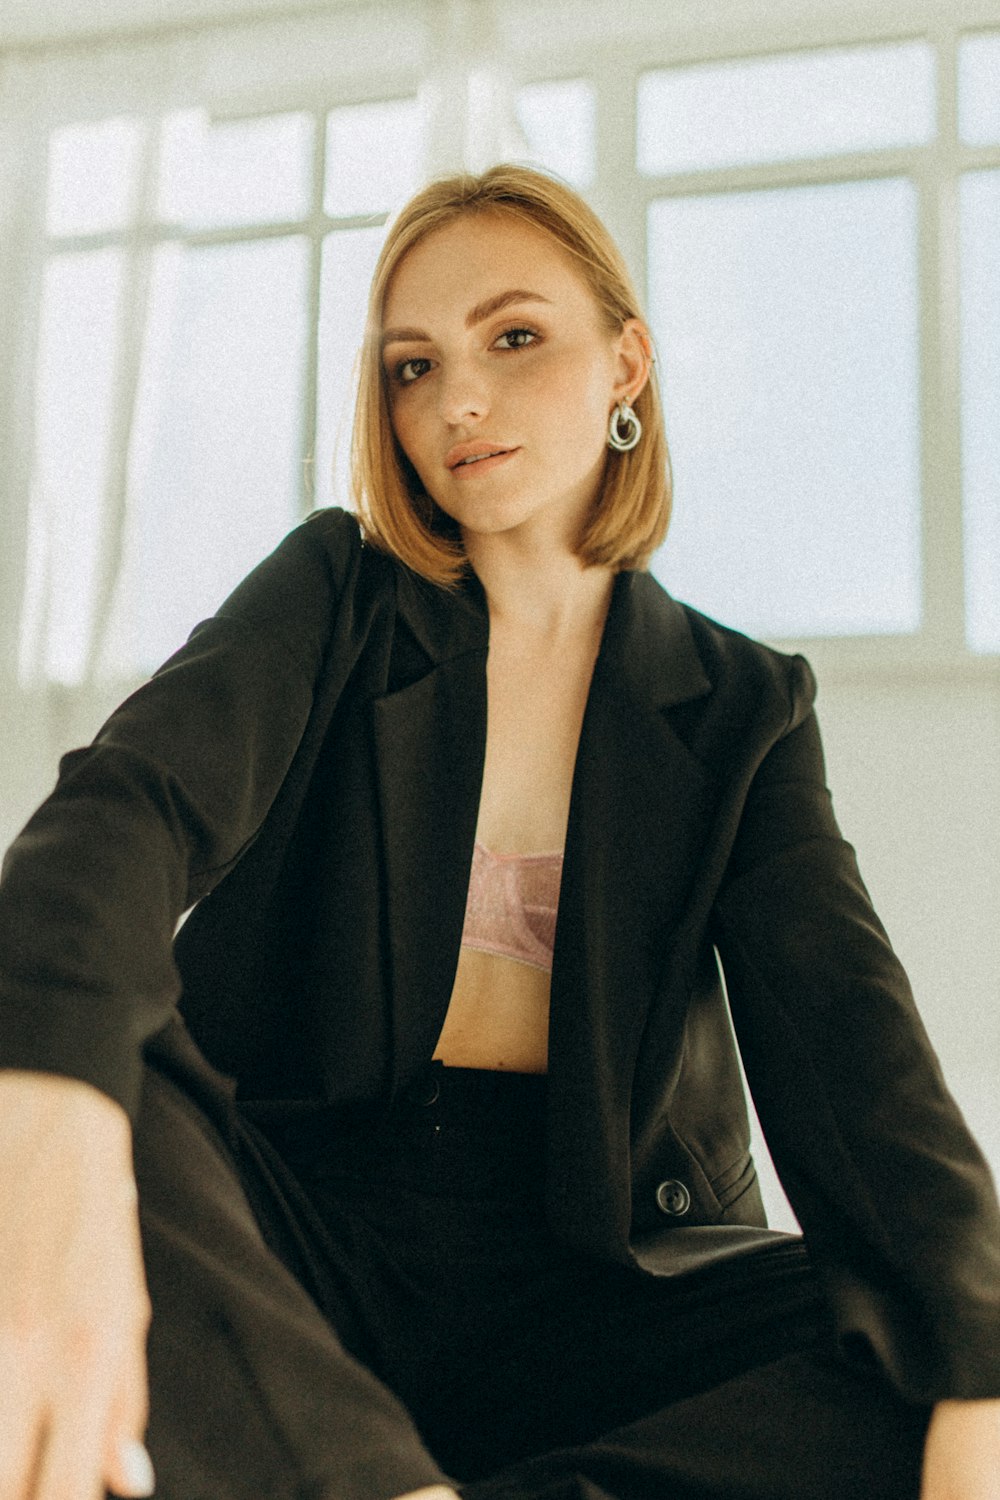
{"x":640,"y":806}
{"x":430,"y":744}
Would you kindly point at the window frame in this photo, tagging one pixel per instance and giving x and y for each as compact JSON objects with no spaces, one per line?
{"x":621,"y":195}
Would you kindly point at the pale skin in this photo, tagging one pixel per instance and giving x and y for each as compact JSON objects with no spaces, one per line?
{"x":538,"y":379}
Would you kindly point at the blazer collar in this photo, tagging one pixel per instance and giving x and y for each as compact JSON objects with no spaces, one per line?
{"x":638,"y":812}
{"x":647,"y":644}
{"x":446,"y":623}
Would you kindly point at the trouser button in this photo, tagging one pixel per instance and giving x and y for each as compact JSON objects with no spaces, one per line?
{"x":425,"y":1089}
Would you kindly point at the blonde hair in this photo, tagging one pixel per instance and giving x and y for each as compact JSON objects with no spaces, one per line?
{"x":630,"y":518}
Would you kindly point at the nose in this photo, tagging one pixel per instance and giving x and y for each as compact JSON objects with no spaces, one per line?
{"x":463,"y":394}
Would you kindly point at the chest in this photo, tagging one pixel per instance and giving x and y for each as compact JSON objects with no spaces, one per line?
{"x":536,"y":699}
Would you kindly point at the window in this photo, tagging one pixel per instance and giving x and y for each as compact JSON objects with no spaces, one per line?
{"x":980,"y":205}
{"x":800,"y":226}
{"x":786,"y":322}
{"x":813,"y":227}
{"x":212,"y":304}
{"x":559,"y":123}
{"x":979,"y":126}
{"x":787,"y":317}
{"x":81,"y":319}
{"x":793,"y":106}
{"x":979,"y":89}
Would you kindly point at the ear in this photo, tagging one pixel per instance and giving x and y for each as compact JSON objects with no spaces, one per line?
{"x":634,"y":359}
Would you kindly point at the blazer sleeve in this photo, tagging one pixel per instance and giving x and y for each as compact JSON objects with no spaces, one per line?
{"x":894,"y":1197}
{"x":150,"y":816}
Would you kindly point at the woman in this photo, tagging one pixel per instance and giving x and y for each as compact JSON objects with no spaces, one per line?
{"x":437,"y":1190}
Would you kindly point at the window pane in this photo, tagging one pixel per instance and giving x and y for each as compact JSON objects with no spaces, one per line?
{"x":798,"y":104}
{"x":558,"y":120}
{"x":92,"y":176}
{"x":979,"y":89}
{"x":232,"y":172}
{"x":374,"y":156}
{"x":348,"y":262}
{"x":78,"y":337}
{"x":980,"y":202}
{"x":787,"y":323}
{"x":214,"y":465}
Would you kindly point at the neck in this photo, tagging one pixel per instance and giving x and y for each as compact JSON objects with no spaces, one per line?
{"x":539,"y":592}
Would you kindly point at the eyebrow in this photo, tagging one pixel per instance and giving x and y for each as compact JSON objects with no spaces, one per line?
{"x":477,"y":314}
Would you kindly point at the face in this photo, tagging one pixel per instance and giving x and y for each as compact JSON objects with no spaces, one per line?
{"x":502,"y":375}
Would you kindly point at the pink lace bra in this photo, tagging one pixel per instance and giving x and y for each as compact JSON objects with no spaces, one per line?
{"x":511,"y":910}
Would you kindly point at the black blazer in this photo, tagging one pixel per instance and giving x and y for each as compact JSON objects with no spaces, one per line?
{"x":306,"y":771}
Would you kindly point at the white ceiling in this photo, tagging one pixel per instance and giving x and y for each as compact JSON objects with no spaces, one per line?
{"x":27,"y":22}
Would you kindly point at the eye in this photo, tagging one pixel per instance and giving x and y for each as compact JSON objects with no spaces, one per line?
{"x":409,"y":370}
{"x":517,"y":338}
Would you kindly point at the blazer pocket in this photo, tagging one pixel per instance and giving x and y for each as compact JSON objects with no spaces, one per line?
{"x":736,"y":1180}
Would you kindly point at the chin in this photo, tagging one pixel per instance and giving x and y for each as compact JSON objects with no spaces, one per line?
{"x":498,"y":514}
{"x":490,"y":519}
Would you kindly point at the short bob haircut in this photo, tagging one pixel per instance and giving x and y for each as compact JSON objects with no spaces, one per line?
{"x":630,"y":517}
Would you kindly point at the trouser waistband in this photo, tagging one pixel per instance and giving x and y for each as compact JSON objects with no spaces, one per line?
{"x":460,"y":1132}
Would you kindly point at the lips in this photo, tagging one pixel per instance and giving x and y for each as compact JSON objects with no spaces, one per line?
{"x":467,"y":455}
{"x":463,"y":463}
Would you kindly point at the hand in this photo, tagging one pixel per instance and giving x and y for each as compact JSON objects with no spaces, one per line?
{"x":962,"y":1452}
{"x":73,"y":1304}
{"x":432,"y":1492}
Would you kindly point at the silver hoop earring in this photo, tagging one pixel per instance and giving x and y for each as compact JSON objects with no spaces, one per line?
{"x":623,"y":416}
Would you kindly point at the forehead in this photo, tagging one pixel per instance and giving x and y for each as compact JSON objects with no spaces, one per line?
{"x":476,"y":256}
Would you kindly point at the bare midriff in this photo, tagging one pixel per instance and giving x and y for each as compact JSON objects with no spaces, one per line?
{"x":498,"y":1017}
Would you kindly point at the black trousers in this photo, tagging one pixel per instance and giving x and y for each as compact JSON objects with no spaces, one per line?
{"x":349,"y":1306}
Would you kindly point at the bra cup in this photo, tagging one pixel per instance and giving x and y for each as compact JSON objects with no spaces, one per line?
{"x":532,"y":902}
{"x":512,"y":905}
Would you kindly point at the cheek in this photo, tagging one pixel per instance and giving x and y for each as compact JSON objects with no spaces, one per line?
{"x":575,"y":395}
{"x":406,"y":427}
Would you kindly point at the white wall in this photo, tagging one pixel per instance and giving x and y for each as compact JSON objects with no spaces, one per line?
{"x":915,"y":768}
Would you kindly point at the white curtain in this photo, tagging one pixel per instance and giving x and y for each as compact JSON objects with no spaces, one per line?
{"x":63,"y":535}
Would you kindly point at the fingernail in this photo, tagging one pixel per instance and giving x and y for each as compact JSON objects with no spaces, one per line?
{"x":137,"y":1468}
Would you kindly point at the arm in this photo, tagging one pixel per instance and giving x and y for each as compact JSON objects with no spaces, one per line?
{"x":893,"y":1195}
{"x":73,"y":1303}
{"x":141,"y":824}
{"x":153,"y":814}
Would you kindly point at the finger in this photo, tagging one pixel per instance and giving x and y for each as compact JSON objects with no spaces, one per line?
{"x":20,"y":1460}
{"x":132,"y":1470}
{"x":70,"y":1467}
{"x":72,"y":1459}
{"x":127,"y":1466}
{"x":22,"y":1429}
